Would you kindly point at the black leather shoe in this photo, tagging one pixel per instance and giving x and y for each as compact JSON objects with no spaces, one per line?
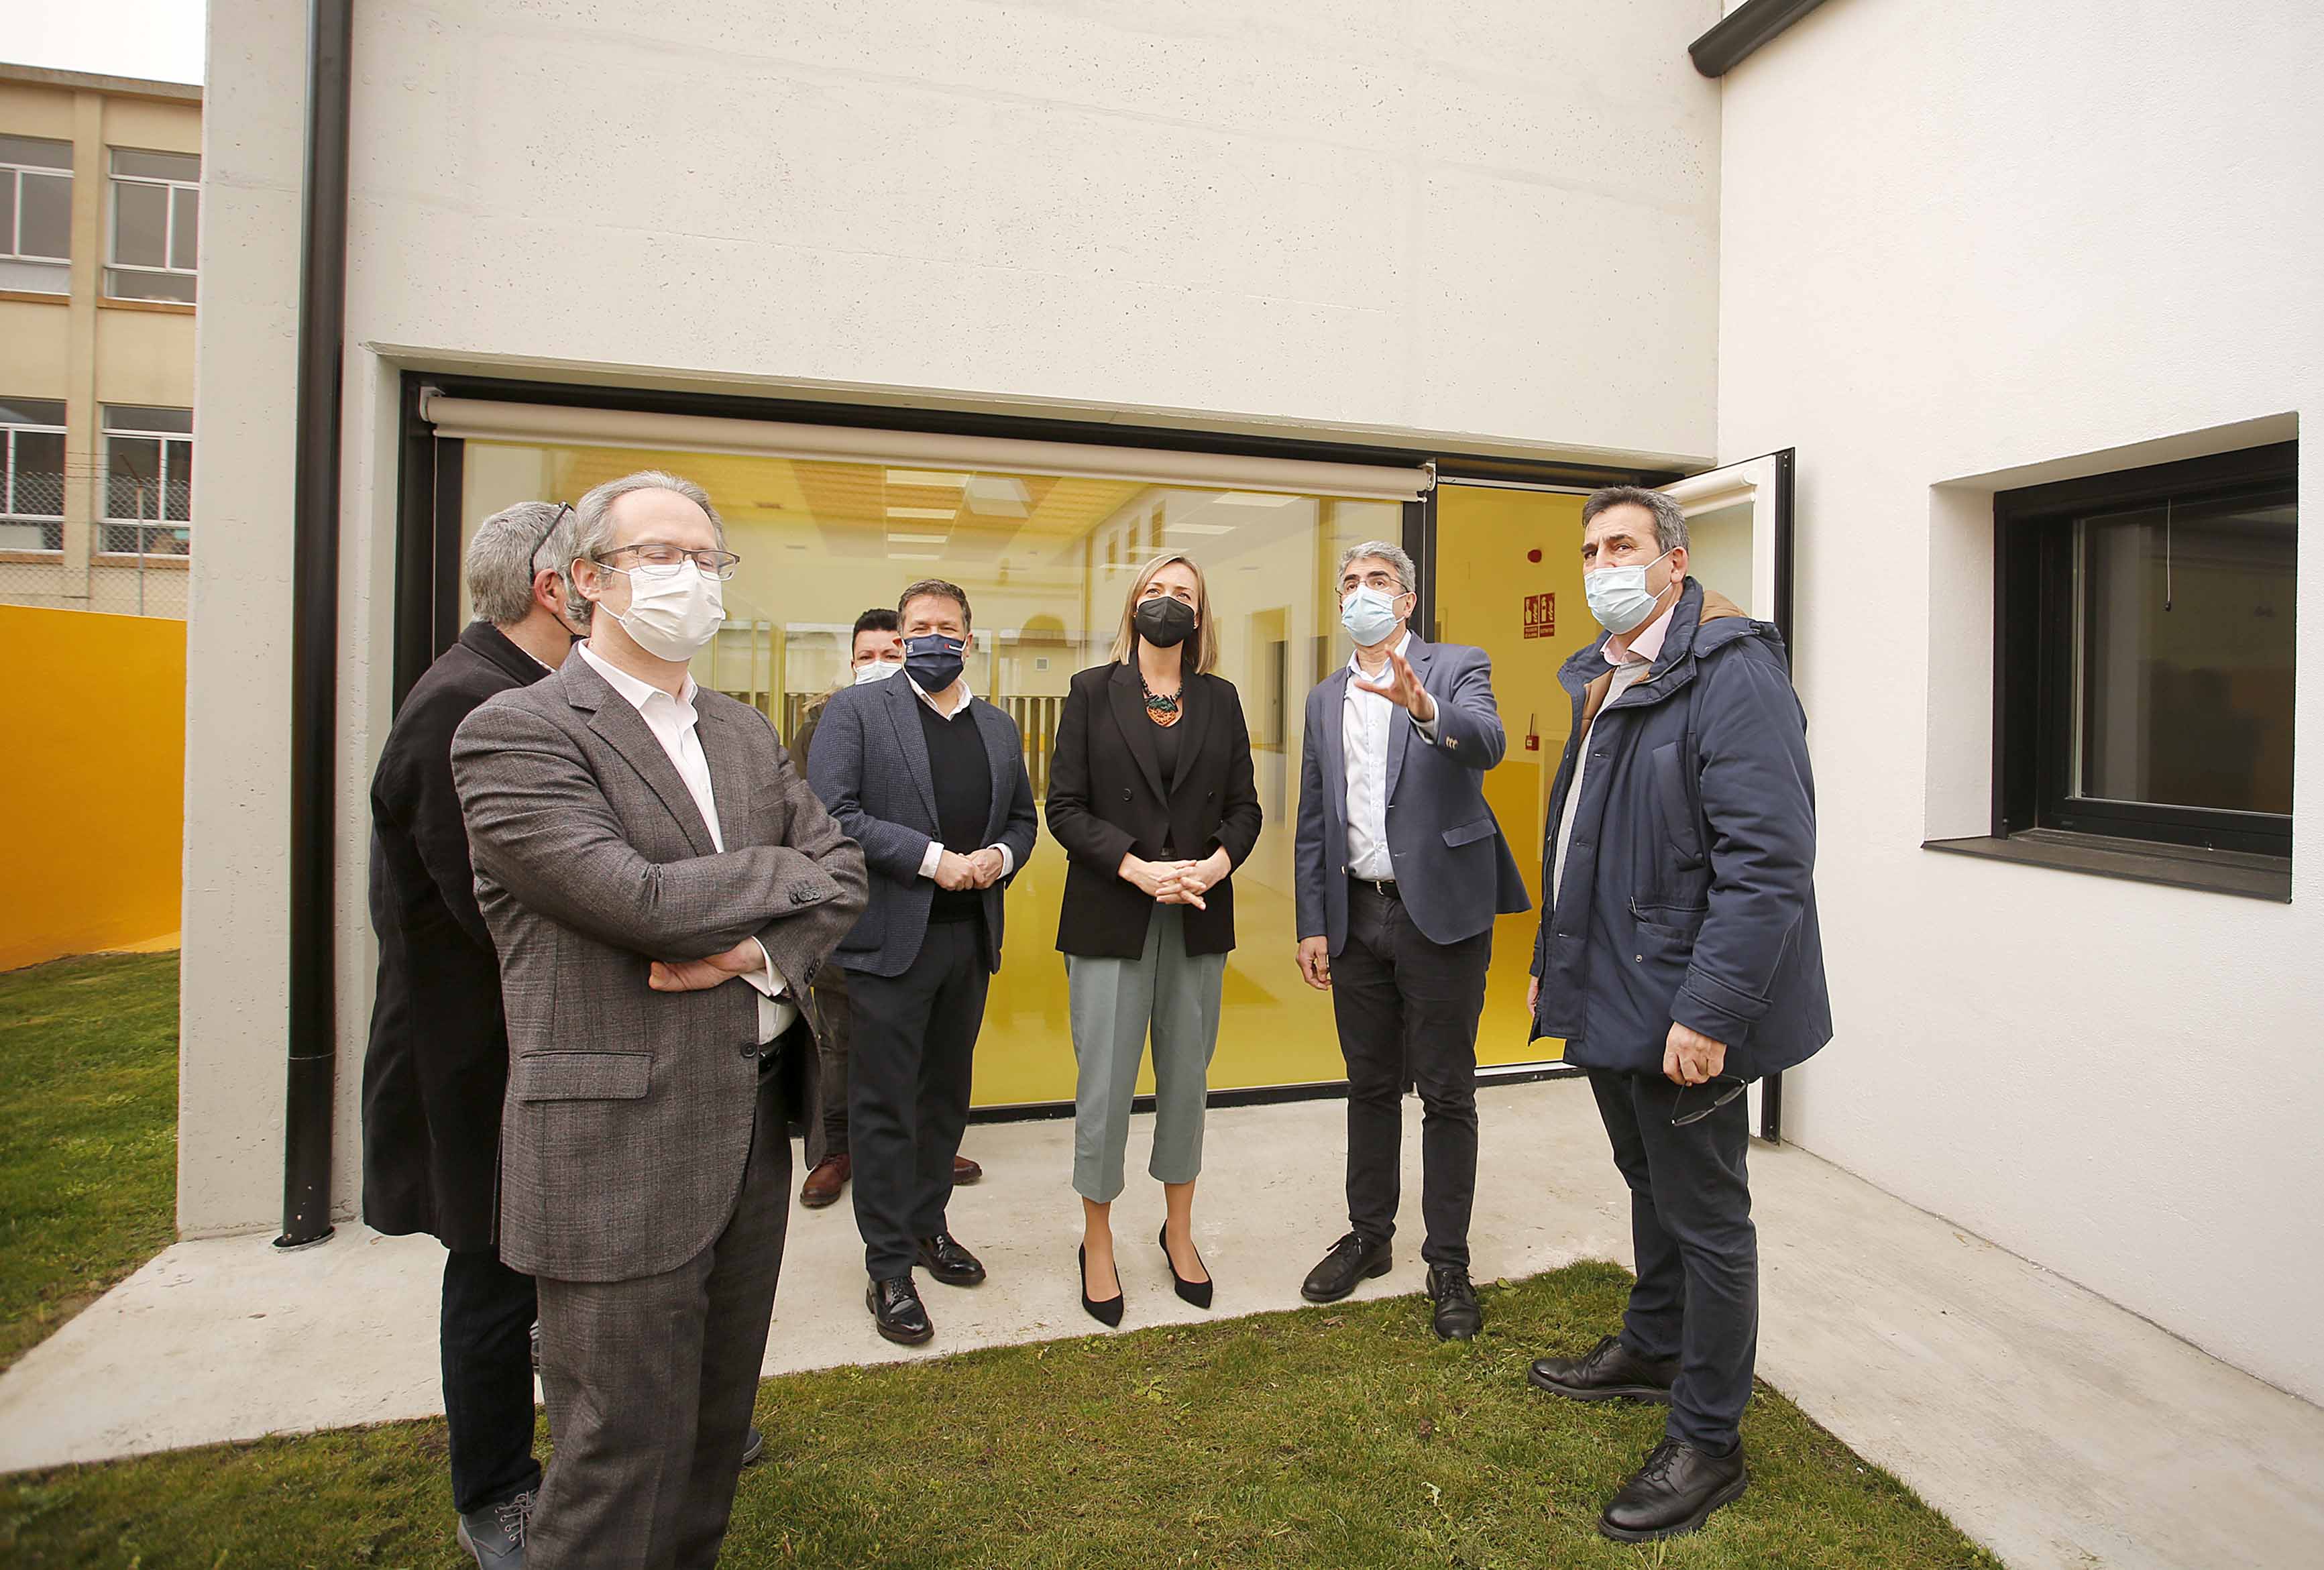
{"x":1458,"y":1315}
{"x":942,"y":1257}
{"x":1198,"y":1293}
{"x":897,"y":1311}
{"x":1673,"y":1493}
{"x":1106,"y":1312}
{"x":1350,"y":1260}
{"x":1607,"y":1372}
{"x":754,"y":1446}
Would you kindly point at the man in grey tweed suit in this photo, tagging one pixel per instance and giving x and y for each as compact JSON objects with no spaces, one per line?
{"x":662,"y":888}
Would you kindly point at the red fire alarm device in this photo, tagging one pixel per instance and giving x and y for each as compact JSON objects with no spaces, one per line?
{"x":1532,"y":733}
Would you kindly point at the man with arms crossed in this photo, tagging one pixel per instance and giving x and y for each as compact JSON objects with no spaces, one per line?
{"x":1679,"y":958}
{"x":663,"y":890}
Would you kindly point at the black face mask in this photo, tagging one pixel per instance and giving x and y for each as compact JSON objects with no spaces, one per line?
{"x":934,"y":660}
{"x":1166,"y":623}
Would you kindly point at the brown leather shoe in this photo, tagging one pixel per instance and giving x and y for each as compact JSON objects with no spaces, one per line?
{"x":964,"y":1171}
{"x":822,"y":1184}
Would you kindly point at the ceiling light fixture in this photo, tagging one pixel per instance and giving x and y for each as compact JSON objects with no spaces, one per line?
{"x":930,"y":479}
{"x":1252,"y":498}
{"x":946,"y":513}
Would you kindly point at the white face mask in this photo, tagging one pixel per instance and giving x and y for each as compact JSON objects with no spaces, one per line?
{"x":1619,"y":596}
{"x":672,"y":616}
{"x":878,"y":670}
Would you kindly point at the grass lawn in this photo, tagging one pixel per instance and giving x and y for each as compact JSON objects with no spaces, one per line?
{"x":1345,"y":1437}
{"x":89,"y":1133}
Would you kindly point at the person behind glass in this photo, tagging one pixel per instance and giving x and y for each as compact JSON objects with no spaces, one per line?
{"x":875,"y":654}
{"x":438,"y":1061}
{"x":1400,"y":869}
{"x":1151,"y":794}
{"x":930,"y":781}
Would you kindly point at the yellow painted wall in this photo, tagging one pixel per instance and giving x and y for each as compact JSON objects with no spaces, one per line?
{"x":1484,"y":576}
{"x":94,"y":792}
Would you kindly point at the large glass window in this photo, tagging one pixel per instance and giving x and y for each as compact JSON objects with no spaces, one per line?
{"x":1047,"y":563}
{"x":149,"y":480}
{"x":35,"y":215}
{"x":32,"y":474}
{"x":157,"y":198}
{"x":2147,"y":652}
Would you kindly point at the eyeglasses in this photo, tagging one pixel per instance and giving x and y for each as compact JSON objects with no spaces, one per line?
{"x":1735,"y":1087}
{"x":656,"y":558}
{"x":562,"y":509}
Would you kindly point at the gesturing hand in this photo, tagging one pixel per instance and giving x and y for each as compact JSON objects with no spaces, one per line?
{"x":955,"y":871}
{"x":986,"y":867}
{"x":1692,"y":1057}
{"x":694,"y":975}
{"x":1315,"y":963}
{"x":1402,"y":689}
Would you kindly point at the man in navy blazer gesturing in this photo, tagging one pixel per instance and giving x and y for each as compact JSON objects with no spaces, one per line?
{"x":930,"y":781}
{"x":1400,"y":872}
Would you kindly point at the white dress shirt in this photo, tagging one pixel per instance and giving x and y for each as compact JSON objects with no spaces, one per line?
{"x":936,"y":848}
{"x":1366,"y":729}
{"x":672,"y":721}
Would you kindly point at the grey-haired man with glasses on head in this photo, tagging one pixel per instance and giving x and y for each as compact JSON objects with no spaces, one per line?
{"x":1679,"y":958}
{"x":663,"y":889}
{"x":438,"y":1062}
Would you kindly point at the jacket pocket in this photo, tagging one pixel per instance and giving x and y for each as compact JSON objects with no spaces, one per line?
{"x":1677,"y":803}
{"x":1468,"y":833}
{"x":1675,"y":925}
{"x":582,"y":1076}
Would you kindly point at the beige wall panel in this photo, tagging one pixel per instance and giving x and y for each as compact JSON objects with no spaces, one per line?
{"x":145,"y":356}
{"x":35,"y":348}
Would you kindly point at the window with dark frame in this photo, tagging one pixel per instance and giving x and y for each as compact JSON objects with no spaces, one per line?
{"x":32,"y":474}
{"x":2144,"y":656}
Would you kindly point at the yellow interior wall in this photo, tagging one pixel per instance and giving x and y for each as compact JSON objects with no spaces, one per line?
{"x":94,"y":789}
{"x":1484,"y":574}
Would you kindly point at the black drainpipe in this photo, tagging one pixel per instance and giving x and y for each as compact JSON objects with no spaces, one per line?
{"x":315,"y":633}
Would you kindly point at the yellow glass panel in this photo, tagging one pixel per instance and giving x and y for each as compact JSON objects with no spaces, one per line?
{"x":1528,"y":614}
{"x":1047,"y":563}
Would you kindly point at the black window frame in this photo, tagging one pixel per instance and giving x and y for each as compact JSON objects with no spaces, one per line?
{"x":2033,"y":667}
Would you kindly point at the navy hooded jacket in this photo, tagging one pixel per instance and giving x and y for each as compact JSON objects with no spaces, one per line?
{"x":1689,"y":892}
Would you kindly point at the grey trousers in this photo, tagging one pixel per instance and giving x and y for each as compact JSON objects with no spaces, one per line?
{"x":649,"y":1385}
{"x":1114,"y":1004}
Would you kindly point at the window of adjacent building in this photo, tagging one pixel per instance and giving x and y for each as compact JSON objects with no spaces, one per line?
{"x":32,"y":474}
{"x":35,"y":215}
{"x":2147,"y":653}
{"x":149,"y":477}
{"x":157,"y":198}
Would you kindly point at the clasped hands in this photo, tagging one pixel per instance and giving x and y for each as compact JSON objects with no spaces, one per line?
{"x":694,"y":975}
{"x":978,"y":870}
{"x":1177,"y":882}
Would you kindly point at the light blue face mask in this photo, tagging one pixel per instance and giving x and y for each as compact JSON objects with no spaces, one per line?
{"x":1370,"y":615}
{"x":1619,"y":596}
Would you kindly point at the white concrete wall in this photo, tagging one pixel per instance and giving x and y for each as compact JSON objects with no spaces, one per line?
{"x":1975,"y":245}
{"x":1495,"y":218}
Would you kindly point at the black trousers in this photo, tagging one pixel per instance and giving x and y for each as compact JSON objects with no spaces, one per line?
{"x":827,"y":1128}
{"x":1406,"y":1009}
{"x":915,"y":1044}
{"x":486,"y":1339}
{"x":1697,"y":1297}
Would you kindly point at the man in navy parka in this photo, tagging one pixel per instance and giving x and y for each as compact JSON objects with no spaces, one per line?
{"x":1679,"y":958}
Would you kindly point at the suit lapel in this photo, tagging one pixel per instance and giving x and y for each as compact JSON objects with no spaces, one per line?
{"x":999,"y":753}
{"x":1136,"y":730}
{"x":626,"y":730}
{"x":1194,"y":703}
{"x":1335,"y":750}
{"x":904,"y":711}
{"x":1399,"y":736}
{"x":725,"y":747}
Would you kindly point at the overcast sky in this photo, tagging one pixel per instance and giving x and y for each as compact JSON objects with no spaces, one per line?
{"x":158,"y":39}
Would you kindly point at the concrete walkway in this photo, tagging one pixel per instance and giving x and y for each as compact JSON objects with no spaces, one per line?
{"x":2054,"y":1427}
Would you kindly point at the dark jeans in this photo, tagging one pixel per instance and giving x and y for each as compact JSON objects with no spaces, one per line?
{"x":1406,"y":1009}
{"x":486,"y":1337}
{"x":826,"y":1134}
{"x":1697,"y":1297}
{"x":915,"y":1044}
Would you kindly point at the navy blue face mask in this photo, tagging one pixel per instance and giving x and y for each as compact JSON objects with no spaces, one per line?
{"x":934,"y":660}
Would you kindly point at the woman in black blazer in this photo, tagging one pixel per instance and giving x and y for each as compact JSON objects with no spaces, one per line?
{"x":1151,"y":794}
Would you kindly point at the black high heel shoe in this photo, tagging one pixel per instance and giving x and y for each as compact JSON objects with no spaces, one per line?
{"x":1108,"y":1313}
{"x":1198,"y":1293}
